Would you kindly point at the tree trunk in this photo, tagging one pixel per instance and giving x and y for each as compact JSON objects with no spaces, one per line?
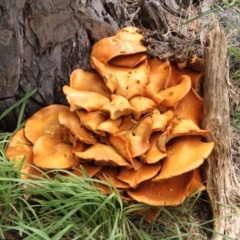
{"x":221,"y":183}
{"x":43,"y":41}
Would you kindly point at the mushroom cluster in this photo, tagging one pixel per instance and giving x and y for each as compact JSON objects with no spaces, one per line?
{"x":135,"y":122}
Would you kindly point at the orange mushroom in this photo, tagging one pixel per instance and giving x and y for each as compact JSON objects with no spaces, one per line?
{"x":119,"y":106}
{"x":134,"y":177}
{"x":91,"y":101}
{"x":170,"y":192}
{"x":45,"y":122}
{"x":88,"y":81}
{"x":19,"y":150}
{"x":127,"y":82}
{"x":103,"y":155}
{"x":173,"y":95}
{"x":72,"y":122}
{"x":160,"y":72}
{"x":154,"y":154}
{"x":50,"y":153}
{"x":127,"y":42}
{"x":183,"y":155}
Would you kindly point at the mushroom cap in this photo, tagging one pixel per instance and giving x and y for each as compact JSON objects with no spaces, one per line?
{"x":138,"y":138}
{"x":142,"y":105}
{"x":88,"y":81}
{"x":130,"y":61}
{"x":122,"y":146}
{"x":173,"y":95}
{"x":103,"y":155}
{"x":119,"y":106}
{"x":20,"y":150}
{"x":91,"y":120}
{"x":90,"y":101}
{"x":111,"y":47}
{"x":184,"y":127}
{"x":45,"y":122}
{"x":154,"y":154}
{"x":110,"y":126}
{"x":170,"y":192}
{"x":72,"y":122}
{"x":160,"y":72}
{"x":183,"y":155}
{"x":190,"y":107}
{"x":196,"y":77}
{"x":124,"y":81}
{"x":135,"y":177}
{"x":160,"y":121}
{"x":110,"y":174}
{"x":49,"y":153}
{"x":130,"y":33}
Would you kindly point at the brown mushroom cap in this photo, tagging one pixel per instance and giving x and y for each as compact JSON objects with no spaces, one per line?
{"x":91,"y":120}
{"x":170,"y":192}
{"x":110,"y":126}
{"x":173,"y":95}
{"x":126,"y":42}
{"x":52,"y":153}
{"x":154,"y":154}
{"x":135,"y":177}
{"x":88,"y":81}
{"x":45,"y":122}
{"x":103,"y":155}
{"x":90,"y":101}
{"x":127,"y":82}
{"x":184,"y":127}
{"x":20,"y":150}
{"x":190,"y":107}
{"x":183,"y":155}
{"x":160,"y":72}
{"x":119,"y":106}
{"x":160,"y":121}
{"x":72,"y":122}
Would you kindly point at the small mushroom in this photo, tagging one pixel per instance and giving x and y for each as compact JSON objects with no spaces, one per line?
{"x":45,"y":122}
{"x":127,"y":82}
{"x":119,"y":106}
{"x":19,"y":150}
{"x":160,"y":72}
{"x":154,"y":154}
{"x":50,"y":153}
{"x":90,"y":101}
{"x":71,"y":121}
{"x":102,"y":155}
{"x":173,"y":95}
{"x":190,"y":107}
{"x":127,"y":42}
{"x":91,"y":120}
{"x":135,"y":177}
{"x":88,"y":81}
{"x":170,"y":192}
{"x":183,"y":155}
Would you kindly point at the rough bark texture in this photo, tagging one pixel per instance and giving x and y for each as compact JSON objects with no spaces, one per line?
{"x":43,"y":41}
{"x":222,"y":186}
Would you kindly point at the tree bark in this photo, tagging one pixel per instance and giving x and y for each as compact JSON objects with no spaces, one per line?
{"x":221,"y":183}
